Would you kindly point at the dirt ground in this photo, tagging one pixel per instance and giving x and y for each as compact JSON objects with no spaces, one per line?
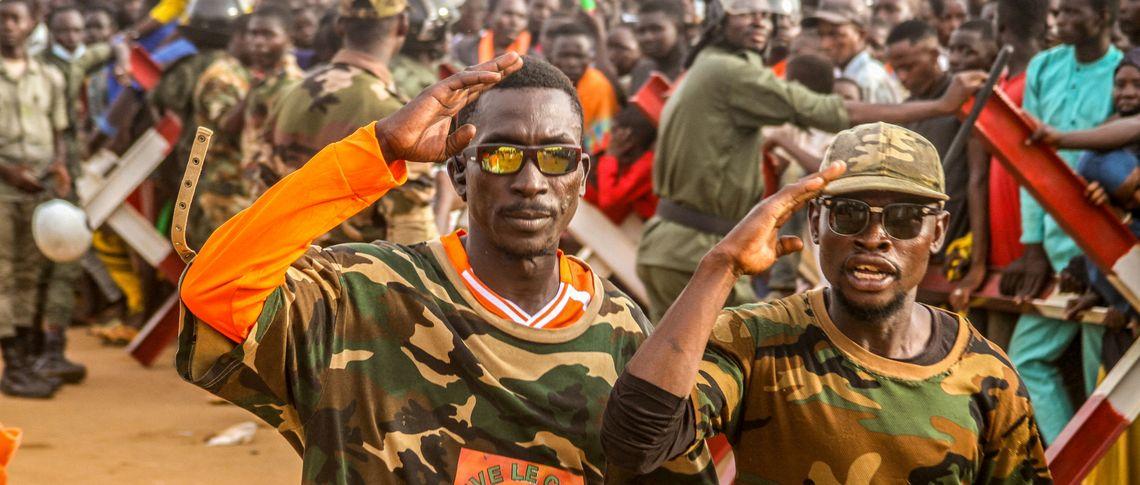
{"x":130,"y":425}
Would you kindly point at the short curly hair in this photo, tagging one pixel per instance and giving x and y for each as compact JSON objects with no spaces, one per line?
{"x":535,"y":74}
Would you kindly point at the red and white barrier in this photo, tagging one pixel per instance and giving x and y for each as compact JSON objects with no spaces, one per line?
{"x":1108,"y":243}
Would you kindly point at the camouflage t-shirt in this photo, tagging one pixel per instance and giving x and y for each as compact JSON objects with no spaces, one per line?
{"x":802,"y":403}
{"x":378,"y":365}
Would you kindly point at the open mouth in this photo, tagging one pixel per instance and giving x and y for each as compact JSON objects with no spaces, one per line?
{"x":870,"y":274}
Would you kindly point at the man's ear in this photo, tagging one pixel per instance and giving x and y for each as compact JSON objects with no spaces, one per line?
{"x":940,"y":226}
{"x":587,"y":164}
{"x":457,"y":171}
{"x":814,"y":211}
{"x":402,"y":25}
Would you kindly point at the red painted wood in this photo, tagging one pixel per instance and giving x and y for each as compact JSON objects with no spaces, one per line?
{"x":1086,"y":439}
{"x":144,"y":69}
{"x":1038,"y":168}
{"x":157,"y":334}
{"x":651,"y":97}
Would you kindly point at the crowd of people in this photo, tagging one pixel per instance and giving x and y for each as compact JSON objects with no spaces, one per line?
{"x":421,"y":322}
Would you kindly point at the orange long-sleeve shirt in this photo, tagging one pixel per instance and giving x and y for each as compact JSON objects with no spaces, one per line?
{"x":246,"y":258}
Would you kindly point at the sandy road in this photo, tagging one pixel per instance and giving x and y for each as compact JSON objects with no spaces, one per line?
{"x":131,"y":425}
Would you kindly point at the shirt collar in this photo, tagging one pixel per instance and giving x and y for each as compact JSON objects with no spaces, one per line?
{"x":363,"y":61}
{"x":857,"y":63}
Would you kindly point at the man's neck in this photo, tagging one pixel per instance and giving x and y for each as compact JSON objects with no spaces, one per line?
{"x":382,"y":52}
{"x":1019,"y":59}
{"x":902,"y":335}
{"x":13,"y":53}
{"x":529,"y":282}
{"x":843,"y":65}
{"x":1092,"y":48}
{"x":934,"y":89}
{"x":502,"y":42}
{"x":673,"y":58}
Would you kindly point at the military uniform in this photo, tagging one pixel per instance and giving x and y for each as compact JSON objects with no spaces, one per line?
{"x":329,"y":104}
{"x":33,"y":108}
{"x":256,"y":151}
{"x":801,"y":403}
{"x":221,"y":193}
{"x":412,"y":76}
{"x":707,"y":162}
{"x":386,"y":363}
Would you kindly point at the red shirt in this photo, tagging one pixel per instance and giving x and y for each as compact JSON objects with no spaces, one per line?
{"x":620,"y":192}
{"x":1005,"y":204}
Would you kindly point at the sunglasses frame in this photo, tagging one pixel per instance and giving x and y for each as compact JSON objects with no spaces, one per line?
{"x":530,"y":153}
{"x":828,"y":202}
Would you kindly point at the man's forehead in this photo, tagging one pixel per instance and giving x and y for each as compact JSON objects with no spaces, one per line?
{"x":523,"y":114}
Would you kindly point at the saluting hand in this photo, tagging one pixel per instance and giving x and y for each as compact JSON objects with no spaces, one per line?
{"x":754,"y":244}
{"x":418,"y":132}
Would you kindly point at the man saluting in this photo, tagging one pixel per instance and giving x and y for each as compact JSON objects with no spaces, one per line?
{"x":473,"y":358}
{"x":854,"y":383}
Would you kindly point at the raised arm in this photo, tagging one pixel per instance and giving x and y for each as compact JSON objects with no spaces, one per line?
{"x":667,"y":363}
{"x":1115,"y":134}
{"x":247,"y":258}
{"x":961,"y":88}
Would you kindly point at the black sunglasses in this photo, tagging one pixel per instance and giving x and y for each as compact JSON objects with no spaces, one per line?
{"x":848,"y":217}
{"x":506,"y":159}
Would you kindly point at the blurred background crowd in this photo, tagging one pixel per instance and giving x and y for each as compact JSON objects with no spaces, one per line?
{"x":82,"y":82}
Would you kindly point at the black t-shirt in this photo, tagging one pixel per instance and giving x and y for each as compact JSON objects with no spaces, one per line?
{"x":940,"y":131}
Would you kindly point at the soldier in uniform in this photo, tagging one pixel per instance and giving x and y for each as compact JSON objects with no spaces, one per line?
{"x":425,"y":50}
{"x":710,"y":128}
{"x":33,"y":117}
{"x":220,"y":88}
{"x":274,"y":71}
{"x":855,"y":382}
{"x":331,"y":102}
{"x":472,"y":358}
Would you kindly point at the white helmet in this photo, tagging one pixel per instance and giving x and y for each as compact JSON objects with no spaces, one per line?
{"x":60,"y":230}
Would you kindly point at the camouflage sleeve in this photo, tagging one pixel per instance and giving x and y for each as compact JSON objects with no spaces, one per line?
{"x":1013,"y":452}
{"x":216,"y":97}
{"x":275,"y":373}
{"x":723,"y":376}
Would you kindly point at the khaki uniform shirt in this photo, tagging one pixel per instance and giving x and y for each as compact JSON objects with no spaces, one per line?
{"x":708,"y":150}
{"x":328,"y":105}
{"x":33,"y":107}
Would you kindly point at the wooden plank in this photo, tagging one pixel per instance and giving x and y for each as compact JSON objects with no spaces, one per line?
{"x":157,"y":334}
{"x":591,"y":228}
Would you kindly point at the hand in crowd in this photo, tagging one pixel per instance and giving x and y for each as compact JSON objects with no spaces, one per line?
{"x":20,"y":178}
{"x":1027,"y":277}
{"x":960,"y":297}
{"x":1096,"y":193}
{"x":1045,"y":134}
{"x":963,"y":85}
{"x":754,"y":244}
{"x":419,"y":131}
{"x":62,"y":179}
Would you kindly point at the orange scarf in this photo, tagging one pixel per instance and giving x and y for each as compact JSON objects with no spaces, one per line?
{"x":521,"y":45}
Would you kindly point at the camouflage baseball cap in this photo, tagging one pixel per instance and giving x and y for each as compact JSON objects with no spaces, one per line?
{"x":838,"y":12}
{"x":882,"y":156}
{"x":371,"y":9}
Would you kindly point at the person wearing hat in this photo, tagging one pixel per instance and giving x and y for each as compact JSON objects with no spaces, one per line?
{"x":711,"y":126}
{"x":331,"y":102}
{"x":855,"y":382}
{"x":842,"y":27}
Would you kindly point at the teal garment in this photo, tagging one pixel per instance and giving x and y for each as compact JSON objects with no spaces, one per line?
{"x":1035,"y":350}
{"x":1068,"y":96}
